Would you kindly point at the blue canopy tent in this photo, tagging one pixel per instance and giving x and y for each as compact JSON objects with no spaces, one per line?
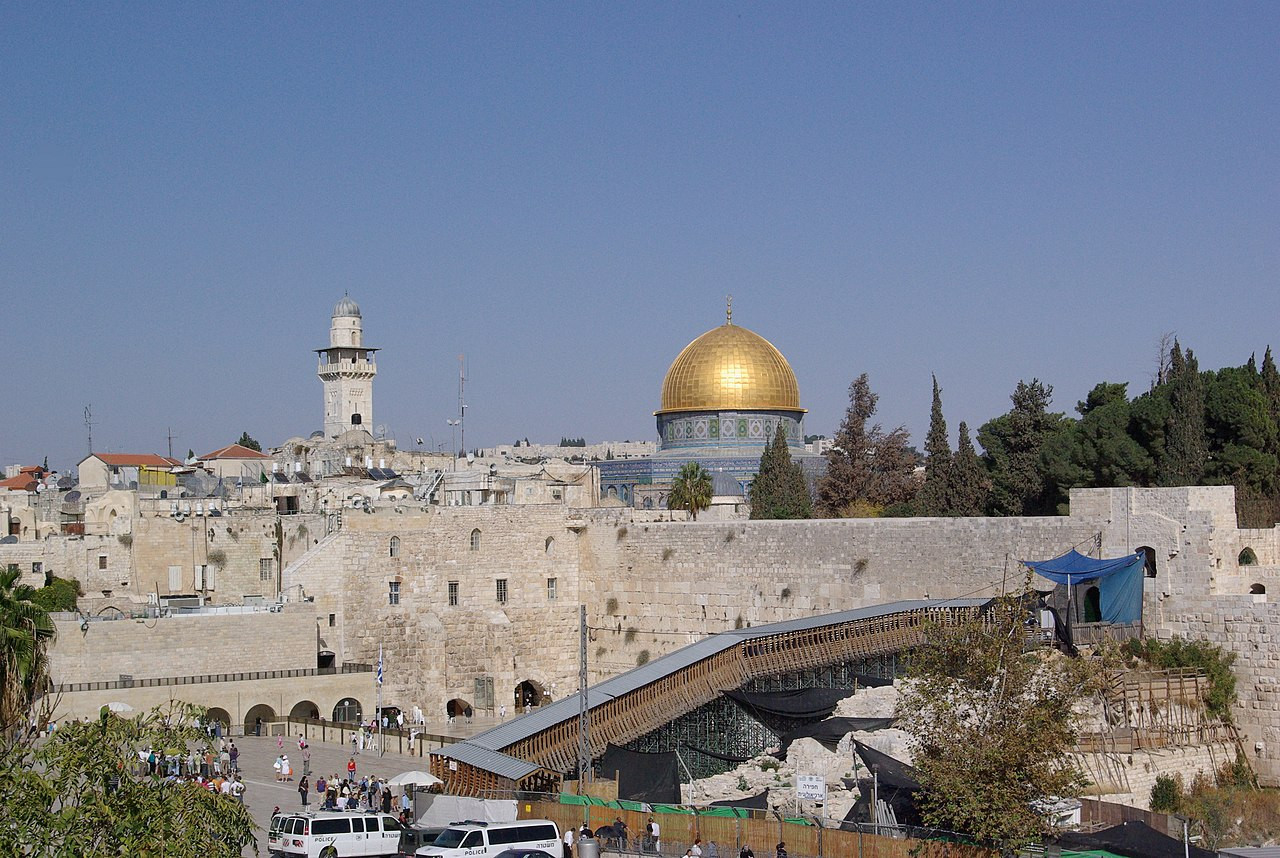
{"x":1119,"y":581}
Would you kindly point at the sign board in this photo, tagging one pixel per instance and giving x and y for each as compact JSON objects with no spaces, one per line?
{"x":811,"y":787}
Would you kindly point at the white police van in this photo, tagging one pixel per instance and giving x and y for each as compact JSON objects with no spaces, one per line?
{"x":473,"y":839}
{"x":331,"y":834}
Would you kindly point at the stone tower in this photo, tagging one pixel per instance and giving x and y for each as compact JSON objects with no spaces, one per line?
{"x":347,"y":369}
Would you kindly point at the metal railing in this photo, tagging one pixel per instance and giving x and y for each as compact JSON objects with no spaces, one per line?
{"x":69,"y":687}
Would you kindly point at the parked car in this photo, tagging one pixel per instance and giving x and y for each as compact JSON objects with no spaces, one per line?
{"x":417,"y":836}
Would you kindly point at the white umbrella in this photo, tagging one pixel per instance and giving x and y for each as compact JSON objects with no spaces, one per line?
{"x":414,"y":778}
{"x":117,"y":706}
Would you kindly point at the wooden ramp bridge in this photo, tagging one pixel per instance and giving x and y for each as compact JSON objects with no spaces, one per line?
{"x":533,"y":753}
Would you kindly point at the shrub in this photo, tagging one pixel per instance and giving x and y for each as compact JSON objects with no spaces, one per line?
{"x":622,"y":533}
{"x":768,"y":764}
{"x":217,"y":556}
{"x":125,"y":539}
{"x":59,"y":595}
{"x":742,"y":783}
{"x":1166,"y":795}
{"x":1209,"y":658}
{"x":642,"y":658}
{"x":630,"y":636}
{"x":667,"y":554}
{"x":786,"y":592}
{"x":739,"y":622}
{"x":611,"y":606}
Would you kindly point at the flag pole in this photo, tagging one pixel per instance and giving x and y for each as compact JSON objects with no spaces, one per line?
{"x":377,"y":712}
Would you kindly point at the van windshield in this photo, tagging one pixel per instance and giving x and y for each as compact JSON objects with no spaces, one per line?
{"x":450,"y":838}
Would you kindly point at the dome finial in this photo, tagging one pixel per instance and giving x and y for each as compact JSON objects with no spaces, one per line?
{"x":728,"y":309}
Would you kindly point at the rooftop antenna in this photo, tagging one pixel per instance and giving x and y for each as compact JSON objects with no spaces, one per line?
{"x":462,"y":405}
{"x":728,"y":309}
{"x":88,"y":425}
{"x":170,"y":442}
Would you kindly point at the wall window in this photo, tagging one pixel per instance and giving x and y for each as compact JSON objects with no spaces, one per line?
{"x":551,"y":589}
{"x":200,"y":579}
{"x":37,"y":568}
{"x":265,"y":569}
{"x":393,"y":593}
{"x":475,"y":540}
{"x":175,"y":578}
{"x":502,"y":591}
{"x":453,"y":593}
{"x":395,"y":546}
{"x":333,"y":620}
{"x":102,"y":561}
{"x":550,"y":546}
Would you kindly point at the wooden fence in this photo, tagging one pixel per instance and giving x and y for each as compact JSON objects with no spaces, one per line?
{"x":762,"y":833}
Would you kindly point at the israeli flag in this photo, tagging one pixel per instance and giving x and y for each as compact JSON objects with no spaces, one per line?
{"x":379,"y":664}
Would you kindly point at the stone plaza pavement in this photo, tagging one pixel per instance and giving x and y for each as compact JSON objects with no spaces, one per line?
{"x":263,"y":793}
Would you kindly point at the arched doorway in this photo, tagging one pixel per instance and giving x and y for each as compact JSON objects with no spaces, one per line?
{"x":347,"y":711}
{"x":305,"y":709}
{"x":221,"y":716}
{"x":1093,"y":605}
{"x":529,"y":693}
{"x":1258,"y":590}
{"x":1148,"y":560}
{"x":257,"y":719}
{"x":457,"y":708}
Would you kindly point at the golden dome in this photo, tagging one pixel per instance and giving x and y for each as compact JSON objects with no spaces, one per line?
{"x":730,"y":368}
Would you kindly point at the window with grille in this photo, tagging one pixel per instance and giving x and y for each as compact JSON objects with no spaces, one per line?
{"x":264,"y":569}
{"x":453,"y":593}
{"x":475,"y":540}
{"x":502,"y":591}
{"x":551,"y":589}
{"x":395,"y":546}
{"x":393,"y":593}
{"x":102,"y":561}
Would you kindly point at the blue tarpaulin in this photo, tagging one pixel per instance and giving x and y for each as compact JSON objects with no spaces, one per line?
{"x":1119,"y":581}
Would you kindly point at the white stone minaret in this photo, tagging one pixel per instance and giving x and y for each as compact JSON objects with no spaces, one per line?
{"x":347,"y":369}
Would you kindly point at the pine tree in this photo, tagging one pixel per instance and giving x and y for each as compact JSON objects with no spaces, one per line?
{"x":1269,"y":378}
{"x":1012,"y":444}
{"x":967,"y":483}
{"x":779,"y":490}
{"x":1186,"y":452}
{"x":247,"y":441}
{"x":937,"y":464}
{"x":867,"y":467}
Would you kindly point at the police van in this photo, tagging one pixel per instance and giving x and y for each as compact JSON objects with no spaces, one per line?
{"x":332,"y":834}
{"x":473,"y":839}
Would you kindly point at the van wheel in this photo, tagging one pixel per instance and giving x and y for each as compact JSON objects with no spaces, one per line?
{"x":328,"y":852}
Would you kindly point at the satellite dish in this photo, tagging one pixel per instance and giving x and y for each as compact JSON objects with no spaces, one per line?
{"x":420,"y":442}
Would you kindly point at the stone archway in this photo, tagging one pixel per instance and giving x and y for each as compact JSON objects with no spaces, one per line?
{"x":529,"y":693}
{"x":305,"y":709}
{"x":457,"y":708}
{"x":347,"y":711}
{"x":257,"y":719}
{"x":222,"y":716}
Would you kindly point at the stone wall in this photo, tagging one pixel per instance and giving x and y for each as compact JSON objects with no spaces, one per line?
{"x":183,"y":645}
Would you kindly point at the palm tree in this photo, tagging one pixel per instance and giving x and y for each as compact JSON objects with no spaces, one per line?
{"x":691,"y":490}
{"x":25,"y":632}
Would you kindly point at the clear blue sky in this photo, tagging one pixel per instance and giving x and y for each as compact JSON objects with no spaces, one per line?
{"x":565,"y":193}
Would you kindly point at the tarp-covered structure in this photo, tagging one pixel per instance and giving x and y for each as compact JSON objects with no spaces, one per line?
{"x":642,"y":776}
{"x":1132,"y":840}
{"x":1119,"y":581}
{"x":897,"y":782}
{"x":751,"y":802}
{"x":828,"y":733}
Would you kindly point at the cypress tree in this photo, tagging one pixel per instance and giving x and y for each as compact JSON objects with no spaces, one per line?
{"x":779,"y":489}
{"x":1186,"y":451}
{"x":967,"y":482}
{"x":937,"y":464}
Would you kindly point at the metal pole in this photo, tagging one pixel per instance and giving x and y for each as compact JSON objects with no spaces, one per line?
{"x":1186,"y":841}
{"x":875,"y":800}
{"x":584,"y":744}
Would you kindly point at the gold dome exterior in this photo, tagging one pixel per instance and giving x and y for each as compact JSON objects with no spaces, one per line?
{"x":730,"y":368}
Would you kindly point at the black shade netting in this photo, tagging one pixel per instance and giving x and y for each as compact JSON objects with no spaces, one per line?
{"x":829,"y":732}
{"x":802,"y":704}
{"x":654,"y":778}
{"x":1134,"y":840}
{"x":751,"y":802}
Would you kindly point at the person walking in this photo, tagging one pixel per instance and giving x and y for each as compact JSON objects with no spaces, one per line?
{"x":568,"y":842}
{"x":746,"y":852}
{"x":781,"y":850}
{"x":304,"y":791}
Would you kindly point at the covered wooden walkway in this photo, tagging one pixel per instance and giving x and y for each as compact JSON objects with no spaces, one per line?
{"x":531,"y":753}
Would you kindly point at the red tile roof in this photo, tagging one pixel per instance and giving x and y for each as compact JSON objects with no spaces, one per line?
{"x":20,"y":483}
{"x":150,"y":460}
{"x":234,"y":451}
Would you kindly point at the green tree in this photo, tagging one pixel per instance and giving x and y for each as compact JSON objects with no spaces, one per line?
{"x":1098,"y":450}
{"x":867,"y":468}
{"x":691,"y":490}
{"x":1185,"y":450}
{"x":779,"y":489}
{"x":60,"y":594}
{"x":247,"y":441}
{"x":934,"y":494}
{"x":25,"y":633}
{"x":968,"y":484}
{"x":82,"y":792}
{"x":989,"y":725}
{"x":1012,"y":444}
